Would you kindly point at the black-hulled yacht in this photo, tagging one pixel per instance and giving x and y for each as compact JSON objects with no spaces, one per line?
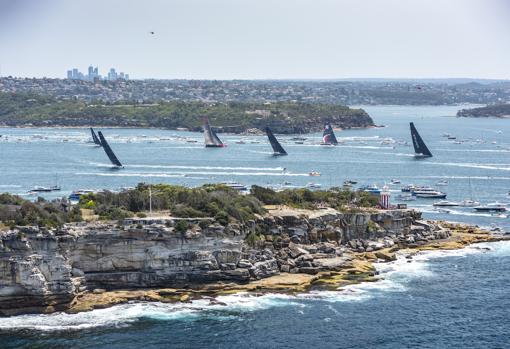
{"x":109,"y":151}
{"x":420,"y":149}
{"x":277,"y":147}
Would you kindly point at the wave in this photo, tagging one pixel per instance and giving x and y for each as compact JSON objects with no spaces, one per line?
{"x":221,"y":307}
{"x":470,"y":165}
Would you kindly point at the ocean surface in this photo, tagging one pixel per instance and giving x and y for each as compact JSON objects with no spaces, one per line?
{"x":438,"y":300}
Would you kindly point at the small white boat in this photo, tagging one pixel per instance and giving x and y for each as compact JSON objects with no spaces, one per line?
{"x":469,"y":203}
{"x":314,"y":174}
{"x":313,"y":185}
{"x":445,"y":203}
{"x":406,"y":197}
{"x":442,"y":182}
{"x":395,"y":181}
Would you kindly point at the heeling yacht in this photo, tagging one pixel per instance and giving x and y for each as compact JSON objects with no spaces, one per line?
{"x":328,"y":136}
{"x":109,"y":152}
{"x":210,"y":137}
{"x":277,"y":147}
{"x":420,"y":149}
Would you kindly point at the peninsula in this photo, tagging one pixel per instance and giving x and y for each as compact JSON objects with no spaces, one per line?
{"x":26,"y":109}
{"x":496,"y":111}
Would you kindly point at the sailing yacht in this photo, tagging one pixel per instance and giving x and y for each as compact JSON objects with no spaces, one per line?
{"x":109,"y":151}
{"x":420,"y":149}
{"x":277,"y":147}
{"x":211,"y":139}
{"x":328,"y":136}
{"x":95,"y":139}
{"x":469,"y":202}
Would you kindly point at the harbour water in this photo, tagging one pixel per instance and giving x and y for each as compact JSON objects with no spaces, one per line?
{"x":451,"y":299}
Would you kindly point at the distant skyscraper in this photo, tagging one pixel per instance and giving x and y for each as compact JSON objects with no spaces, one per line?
{"x":93,"y":74}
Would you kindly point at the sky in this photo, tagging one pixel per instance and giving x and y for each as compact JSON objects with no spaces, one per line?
{"x":257,"y":39}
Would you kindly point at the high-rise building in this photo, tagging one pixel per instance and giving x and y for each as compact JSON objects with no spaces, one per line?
{"x":90,"y":75}
{"x":69,"y":74}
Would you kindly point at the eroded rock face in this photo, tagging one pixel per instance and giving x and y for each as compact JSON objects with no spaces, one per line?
{"x":42,"y":271}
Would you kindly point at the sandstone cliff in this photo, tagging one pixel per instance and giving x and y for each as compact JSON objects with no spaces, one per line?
{"x":43,"y":271}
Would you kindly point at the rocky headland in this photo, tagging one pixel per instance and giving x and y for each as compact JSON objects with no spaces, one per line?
{"x":495,"y":111}
{"x":83,"y":266}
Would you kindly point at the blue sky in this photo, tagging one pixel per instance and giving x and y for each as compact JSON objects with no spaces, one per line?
{"x":258,"y":39}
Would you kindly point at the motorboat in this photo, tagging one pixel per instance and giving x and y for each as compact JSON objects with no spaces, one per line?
{"x":373,"y":189}
{"x":314,"y":174}
{"x":406,"y":197}
{"x":430,"y":194}
{"x":492,"y":207}
{"x":445,"y":203}
{"x":469,"y":203}
{"x":442,"y":182}
{"x":235,"y":185}
{"x":313,"y":185}
{"x":395,"y":181}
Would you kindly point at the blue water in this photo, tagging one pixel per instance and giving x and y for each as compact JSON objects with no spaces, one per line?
{"x":440,"y":300}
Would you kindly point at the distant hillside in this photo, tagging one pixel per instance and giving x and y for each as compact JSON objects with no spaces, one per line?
{"x":498,"y":110}
{"x":23,"y":109}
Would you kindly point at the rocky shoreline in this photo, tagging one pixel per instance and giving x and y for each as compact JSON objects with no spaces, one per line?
{"x":86,"y":266}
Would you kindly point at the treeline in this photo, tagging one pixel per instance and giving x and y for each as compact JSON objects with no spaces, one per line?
{"x":218,"y":201}
{"x":497,"y":110}
{"x":283,"y":117}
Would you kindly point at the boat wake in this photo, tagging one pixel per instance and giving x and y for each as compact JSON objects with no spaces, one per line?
{"x":191,"y":173}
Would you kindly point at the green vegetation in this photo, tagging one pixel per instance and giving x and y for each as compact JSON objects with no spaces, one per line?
{"x":498,"y":110}
{"x":220,"y":202}
{"x":17,"y":211}
{"x":304,"y":198}
{"x":283,"y":117}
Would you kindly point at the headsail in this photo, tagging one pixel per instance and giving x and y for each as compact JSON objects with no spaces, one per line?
{"x":420,"y":148}
{"x":94,"y":137}
{"x":277,"y":147}
{"x":109,"y":151}
{"x":328,"y":136}
{"x":211,"y":139}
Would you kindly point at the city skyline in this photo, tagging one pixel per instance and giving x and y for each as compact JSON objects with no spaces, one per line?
{"x":263,"y":39}
{"x":93,"y":74}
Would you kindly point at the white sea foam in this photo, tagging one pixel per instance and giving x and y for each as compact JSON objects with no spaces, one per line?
{"x":121,"y":315}
{"x":395,"y":278}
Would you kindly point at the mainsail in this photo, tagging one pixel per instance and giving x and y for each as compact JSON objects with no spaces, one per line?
{"x":109,"y":151}
{"x":277,"y":147}
{"x":328,"y":137}
{"x":211,"y":139}
{"x":420,"y":148}
{"x":94,"y":137}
